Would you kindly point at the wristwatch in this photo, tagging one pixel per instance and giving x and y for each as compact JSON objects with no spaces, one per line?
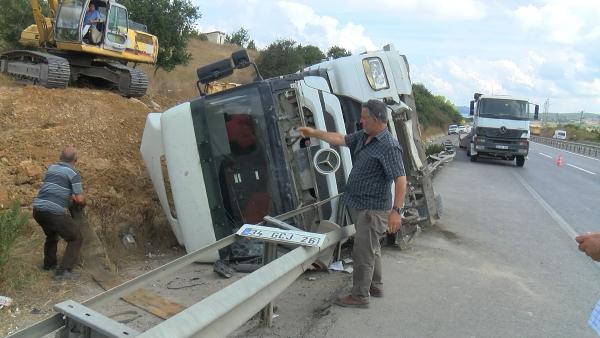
{"x":398,"y":209}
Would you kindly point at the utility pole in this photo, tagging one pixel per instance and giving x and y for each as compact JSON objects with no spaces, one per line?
{"x":580,"y":118}
{"x":545,"y":113}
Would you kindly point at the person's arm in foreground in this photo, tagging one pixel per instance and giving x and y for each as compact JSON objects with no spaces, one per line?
{"x":590,"y":244}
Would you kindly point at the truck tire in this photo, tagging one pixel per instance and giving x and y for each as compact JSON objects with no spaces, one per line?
{"x":520,"y":161}
{"x":473,"y":158}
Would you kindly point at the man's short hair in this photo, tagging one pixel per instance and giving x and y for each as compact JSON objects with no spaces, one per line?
{"x":377,"y":109}
{"x":68,"y":155}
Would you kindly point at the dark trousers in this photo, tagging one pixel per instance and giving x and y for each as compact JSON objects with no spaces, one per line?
{"x":59,"y":225}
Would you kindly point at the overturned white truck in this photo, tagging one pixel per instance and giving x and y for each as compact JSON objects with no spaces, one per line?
{"x":234,"y":157}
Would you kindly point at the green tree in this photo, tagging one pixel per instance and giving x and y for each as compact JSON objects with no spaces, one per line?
{"x":311,"y":54}
{"x":172,"y":21}
{"x":434,"y":111}
{"x":251,"y":45}
{"x":336,"y":52}
{"x":239,"y":37}
{"x":279,"y":58}
{"x":15,"y":16}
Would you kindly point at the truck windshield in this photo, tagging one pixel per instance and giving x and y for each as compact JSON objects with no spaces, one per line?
{"x":503,"y":109}
{"x":233,"y":137}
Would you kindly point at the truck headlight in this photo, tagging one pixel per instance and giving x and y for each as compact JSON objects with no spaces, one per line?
{"x":480,"y":140}
{"x":524,"y":143}
{"x":375,"y":73}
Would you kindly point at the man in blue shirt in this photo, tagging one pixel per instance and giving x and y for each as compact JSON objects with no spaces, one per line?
{"x":61,"y":187}
{"x":92,"y":16}
{"x":377,"y":162}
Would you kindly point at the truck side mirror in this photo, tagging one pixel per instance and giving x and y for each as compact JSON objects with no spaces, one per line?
{"x":214,"y":71}
{"x":472,"y":108}
{"x":536,"y":114}
{"x":241,"y":59}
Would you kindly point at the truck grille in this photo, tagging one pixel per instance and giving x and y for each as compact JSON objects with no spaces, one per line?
{"x":495,"y":132}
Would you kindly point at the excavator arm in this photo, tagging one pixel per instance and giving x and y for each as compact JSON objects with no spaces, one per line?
{"x":44,"y":25}
{"x":40,"y":22}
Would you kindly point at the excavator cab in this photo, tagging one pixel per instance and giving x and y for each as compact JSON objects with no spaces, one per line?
{"x":113,"y":28}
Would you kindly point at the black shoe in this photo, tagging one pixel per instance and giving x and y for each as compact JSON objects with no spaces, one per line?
{"x":63,"y":275}
{"x":49,"y":267}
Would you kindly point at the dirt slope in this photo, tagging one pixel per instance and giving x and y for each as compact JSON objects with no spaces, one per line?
{"x":36,"y":123}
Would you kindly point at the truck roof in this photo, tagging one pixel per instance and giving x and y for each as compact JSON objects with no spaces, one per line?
{"x":503,"y":97}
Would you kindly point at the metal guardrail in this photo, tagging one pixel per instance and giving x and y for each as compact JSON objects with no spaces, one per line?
{"x":579,"y":148}
{"x":217,"y":315}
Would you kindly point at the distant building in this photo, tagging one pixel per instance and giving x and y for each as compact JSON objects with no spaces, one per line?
{"x":216,"y":37}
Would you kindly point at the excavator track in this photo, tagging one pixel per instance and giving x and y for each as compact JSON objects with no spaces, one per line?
{"x":40,"y":68}
{"x":134,"y":82}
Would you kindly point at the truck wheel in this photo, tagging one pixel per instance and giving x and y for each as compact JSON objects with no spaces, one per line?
{"x":473,"y":158}
{"x":520,"y":161}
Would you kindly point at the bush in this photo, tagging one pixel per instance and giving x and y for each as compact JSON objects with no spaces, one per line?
{"x":11,"y":224}
{"x":434,"y":149}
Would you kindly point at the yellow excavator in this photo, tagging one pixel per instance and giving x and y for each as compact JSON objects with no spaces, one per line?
{"x":69,"y":48}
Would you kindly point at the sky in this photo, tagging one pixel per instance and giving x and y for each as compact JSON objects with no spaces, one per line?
{"x":547,"y":49}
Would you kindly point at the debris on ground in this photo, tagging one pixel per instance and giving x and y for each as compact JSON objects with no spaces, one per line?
{"x":5,"y":302}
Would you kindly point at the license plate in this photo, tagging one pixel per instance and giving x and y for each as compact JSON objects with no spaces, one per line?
{"x":498,"y":146}
{"x":281,"y":236}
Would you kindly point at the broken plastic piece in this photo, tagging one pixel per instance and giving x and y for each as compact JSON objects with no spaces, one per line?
{"x":222,"y":269}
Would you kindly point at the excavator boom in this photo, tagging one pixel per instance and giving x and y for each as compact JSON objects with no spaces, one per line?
{"x":40,"y":22}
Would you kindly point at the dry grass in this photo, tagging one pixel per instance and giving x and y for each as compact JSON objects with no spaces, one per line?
{"x":431,"y":133}
{"x":181,"y":82}
{"x":7,"y":81}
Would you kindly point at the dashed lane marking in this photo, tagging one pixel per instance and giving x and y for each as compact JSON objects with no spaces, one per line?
{"x":548,"y":156}
{"x":576,"y":167}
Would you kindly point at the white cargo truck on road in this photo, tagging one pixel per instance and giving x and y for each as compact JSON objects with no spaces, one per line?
{"x":500,"y":128}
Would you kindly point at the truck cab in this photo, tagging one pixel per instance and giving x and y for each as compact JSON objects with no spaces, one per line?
{"x":500,"y":128}
{"x":233,"y":157}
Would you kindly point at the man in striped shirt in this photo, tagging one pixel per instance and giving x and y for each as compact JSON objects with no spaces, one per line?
{"x":61,"y":187}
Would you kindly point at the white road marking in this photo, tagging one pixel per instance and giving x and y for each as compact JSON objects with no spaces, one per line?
{"x":576,"y":167}
{"x":591,"y":158}
{"x":561,"y":221}
{"x":548,"y":156}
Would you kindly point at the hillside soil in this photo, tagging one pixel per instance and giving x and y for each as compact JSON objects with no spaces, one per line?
{"x":36,"y":123}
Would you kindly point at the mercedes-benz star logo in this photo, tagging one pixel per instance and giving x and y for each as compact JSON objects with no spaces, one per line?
{"x":503,"y":130}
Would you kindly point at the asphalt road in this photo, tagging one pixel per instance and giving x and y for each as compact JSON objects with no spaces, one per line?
{"x":572,"y":189}
{"x":501,"y":263}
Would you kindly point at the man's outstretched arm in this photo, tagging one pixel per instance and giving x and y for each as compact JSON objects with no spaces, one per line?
{"x":331,"y":138}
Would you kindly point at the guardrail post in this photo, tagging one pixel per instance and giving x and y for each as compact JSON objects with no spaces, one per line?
{"x":269,"y":255}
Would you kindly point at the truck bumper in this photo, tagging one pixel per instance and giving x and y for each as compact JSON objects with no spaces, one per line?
{"x":500,"y":148}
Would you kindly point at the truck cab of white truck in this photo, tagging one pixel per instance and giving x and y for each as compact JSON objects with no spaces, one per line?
{"x":500,"y":128}
{"x":235,"y":156}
